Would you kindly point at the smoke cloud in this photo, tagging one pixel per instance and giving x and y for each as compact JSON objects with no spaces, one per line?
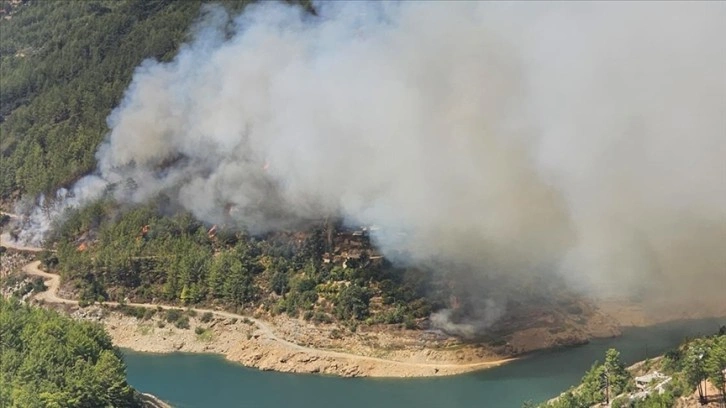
{"x":587,"y":139}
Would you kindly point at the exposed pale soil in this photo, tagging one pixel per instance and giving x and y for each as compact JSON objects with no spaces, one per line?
{"x":254,"y":343}
{"x":293,"y":345}
{"x":286,"y":344}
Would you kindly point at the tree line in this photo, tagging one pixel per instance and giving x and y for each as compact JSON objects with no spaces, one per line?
{"x":109,"y":253}
{"x":64,"y":66}
{"x":51,"y":361}
{"x":690,"y":365}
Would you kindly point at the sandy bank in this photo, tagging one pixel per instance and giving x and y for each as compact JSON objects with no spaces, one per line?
{"x":243,"y":342}
{"x":254,"y":343}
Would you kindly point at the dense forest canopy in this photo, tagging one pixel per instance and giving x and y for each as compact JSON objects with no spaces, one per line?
{"x":109,"y":253}
{"x":48,"y":360}
{"x":64,"y":66}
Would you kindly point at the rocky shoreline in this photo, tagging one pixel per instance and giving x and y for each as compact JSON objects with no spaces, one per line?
{"x":285,"y":344}
{"x":385,"y":354}
{"x":293,"y":345}
{"x":152,"y":401}
{"x":244,"y":343}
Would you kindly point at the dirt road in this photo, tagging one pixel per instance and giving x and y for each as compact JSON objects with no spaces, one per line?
{"x":52,"y":281}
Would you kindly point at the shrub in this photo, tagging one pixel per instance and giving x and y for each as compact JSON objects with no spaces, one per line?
{"x":621,"y":402}
{"x":204,"y":334}
{"x":206,"y":317}
{"x":322,"y":317}
{"x":279,"y":282}
{"x":149,"y":313}
{"x":39,"y":285}
{"x":173,"y":315}
{"x":182,"y":322}
{"x":133,"y":311}
{"x":24,"y":290}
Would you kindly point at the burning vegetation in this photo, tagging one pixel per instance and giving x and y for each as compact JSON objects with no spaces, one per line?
{"x":325,"y":272}
{"x":488,"y":166}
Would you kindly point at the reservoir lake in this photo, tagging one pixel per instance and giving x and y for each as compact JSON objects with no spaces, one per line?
{"x":188,"y":380}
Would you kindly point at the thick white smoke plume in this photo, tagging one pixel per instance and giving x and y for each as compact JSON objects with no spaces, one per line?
{"x":587,"y":138}
{"x":39,"y":216}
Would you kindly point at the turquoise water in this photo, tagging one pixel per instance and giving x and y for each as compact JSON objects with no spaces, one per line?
{"x":201,"y":381}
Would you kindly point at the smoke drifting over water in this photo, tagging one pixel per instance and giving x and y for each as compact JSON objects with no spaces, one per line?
{"x":583,"y":138}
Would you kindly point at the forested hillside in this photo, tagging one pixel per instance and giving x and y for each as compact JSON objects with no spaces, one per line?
{"x":694,"y":364}
{"x":141,"y":255}
{"x":48,"y":360}
{"x":64,"y":66}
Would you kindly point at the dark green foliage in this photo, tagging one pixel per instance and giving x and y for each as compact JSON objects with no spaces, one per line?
{"x":65,"y":65}
{"x":134,"y":311}
{"x":182,"y":322}
{"x":49,"y":259}
{"x":352,"y":302}
{"x":302,"y":296}
{"x":591,"y":390}
{"x":35,"y":285}
{"x":320,"y":317}
{"x":615,"y":369}
{"x":279,"y":282}
{"x":664,"y":400}
{"x":206,"y":317}
{"x":688,"y":366}
{"x":173,"y":315}
{"x":177,"y":317}
{"x":148,"y":314}
{"x":704,"y":359}
{"x":138,"y":254}
{"x":47,"y":360}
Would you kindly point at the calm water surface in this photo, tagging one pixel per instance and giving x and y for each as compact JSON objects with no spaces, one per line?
{"x":202,"y":381}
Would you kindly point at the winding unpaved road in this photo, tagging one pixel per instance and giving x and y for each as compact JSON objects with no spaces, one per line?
{"x":52,"y":281}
